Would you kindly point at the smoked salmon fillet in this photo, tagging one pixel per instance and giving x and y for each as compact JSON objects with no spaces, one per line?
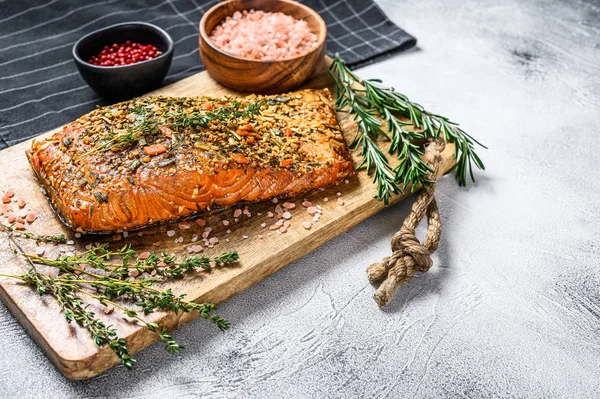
{"x":157,"y":159}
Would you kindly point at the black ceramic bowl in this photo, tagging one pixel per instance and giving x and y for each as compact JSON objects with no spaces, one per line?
{"x":125,"y":81}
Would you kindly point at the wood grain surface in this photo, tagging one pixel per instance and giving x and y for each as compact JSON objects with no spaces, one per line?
{"x":70,"y":347}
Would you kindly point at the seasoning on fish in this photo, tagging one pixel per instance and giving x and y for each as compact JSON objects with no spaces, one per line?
{"x":156,"y":159}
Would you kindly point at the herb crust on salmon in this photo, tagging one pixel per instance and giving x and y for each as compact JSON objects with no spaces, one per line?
{"x":157,"y":159}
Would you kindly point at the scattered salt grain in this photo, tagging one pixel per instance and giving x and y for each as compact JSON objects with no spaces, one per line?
{"x":228,"y":232}
{"x":270,"y":214}
{"x":213,"y":240}
{"x":144,"y":255}
{"x":325,"y":199}
{"x":316,"y":217}
{"x":201,"y":222}
{"x":263,"y":225}
{"x":156,"y":244}
{"x":225,"y":222}
{"x":307,"y":204}
{"x":338,"y":194}
{"x":12,"y":217}
{"x":283,"y":229}
{"x":236,"y":220}
{"x":307,"y":225}
{"x":340,"y":202}
{"x":245,"y":237}
{"x":289,"y":205}
{"x":346,"y":181}
{"x":195,"y":238}
{"x":278,"y":209}
{"x":140,"y":234}
{"x":274,"y":227}
{"x":287,"y":215}
{"x":30,"y":218}
{"x":108,"y":309}
{"x":21,"y":202}
{"x":10,"y":193}
{"x":227,"y":240}
{"x":77,"y":235}
{"x":70,"y":242}
{"x":23,"y":212}
{"x":274,"y":200}
{"x":184,"y":226}
{"x":170,"y":233}
{"x":134,"y":273}
{"x":312,"y":210}
{"x":260,"y":236}
{"x":237,"y":213}
{"x":19,"y":219}
{"x":205,"y":234}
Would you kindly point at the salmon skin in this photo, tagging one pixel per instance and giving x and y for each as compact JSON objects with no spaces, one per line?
{"x":158,"y":159}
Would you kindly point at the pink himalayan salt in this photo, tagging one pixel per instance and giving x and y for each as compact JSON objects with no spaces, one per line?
{"x":259,"y":35}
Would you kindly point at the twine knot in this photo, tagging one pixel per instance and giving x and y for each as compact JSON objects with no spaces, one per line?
{"x":408,"y":254}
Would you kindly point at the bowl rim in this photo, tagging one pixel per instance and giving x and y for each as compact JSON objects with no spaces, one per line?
{"x":167,"y":38}
{"x":322,"y":34}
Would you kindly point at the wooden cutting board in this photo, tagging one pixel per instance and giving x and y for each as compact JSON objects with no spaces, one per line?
{"x":70,"y":347}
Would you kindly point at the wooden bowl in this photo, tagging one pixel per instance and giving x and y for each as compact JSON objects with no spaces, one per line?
{"x":254,"y":76}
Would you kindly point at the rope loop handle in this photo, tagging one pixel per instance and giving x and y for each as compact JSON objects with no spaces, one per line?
{"x":408,"y":254}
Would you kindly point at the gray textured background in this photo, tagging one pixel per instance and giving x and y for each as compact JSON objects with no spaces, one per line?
{"x":511,"y":307}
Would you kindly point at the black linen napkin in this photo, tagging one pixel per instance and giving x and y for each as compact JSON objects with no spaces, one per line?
{"x":41,"y":89}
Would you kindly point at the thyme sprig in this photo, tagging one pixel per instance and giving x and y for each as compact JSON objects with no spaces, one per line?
{"x":147,"y":121}
{"x":61,"y":238}
{"x":103,"y":275}
{"x":369,"y":102}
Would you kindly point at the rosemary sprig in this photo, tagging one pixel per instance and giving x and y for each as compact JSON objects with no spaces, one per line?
{"x":92,"y":274}
{"x":367,"y":100}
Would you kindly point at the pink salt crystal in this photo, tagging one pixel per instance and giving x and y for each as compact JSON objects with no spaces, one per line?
{"x":213,"y":240}
{"x":228,"y":232}
{"x":20,"y":220}
{"x":307,"y":204}
{"x":125,"y":234}
{"x":21,"y":202}
{"x":319,"y":208}
{"x":12,"y":217}
{"x":191,"y":249}
{"x":346,"y":181}
{"x":153,"y":273}
{"x":5,"y":199}
{"x":225,"y":222}
{"x":227,"y":239}
{"x":245,"y":237}
{"x":270,"y":214}
{"x":195,"y":238}
{"x":338,"y":194}
{"x":23,"y":212}
{"x":156,"y":244}
{"x":340,"y":202}
{"x":279,"y":222}
{"x":325,"y":199}
{"x":274,"y":200}
{"x":77,"y":235}
{"x":287,"y":215}
{"x":10,"y":193}
{"x":283,"y":229}
{"x":246,"y":211}
{"x":259,"y":214}
{"x":30,"y":218}
{"x":307,"y":225}
{"x":108,"y":309}
{"x":237,"y":213}
{"x":170,"y":233}
{"x":236,"y":220}
{"x":289,"y":205}
{"x":316,"y":217}
{"x":278,"y":209}
{"x":19,"y":226}
{"x":184,"y":226}
{"x":273,"y":227}
{"x":286,"y":224}
{"x":161,"y":264}
{"x":144,"y":255}
{"x":205,"y":234}
{"x":208,"y":229}
{"x":263,"y":225}
{"x":201,"y":222}
{"x":134,"y":273}
{"x":70,"y":242}
{"x":140,"y":234}
{"x":311,"y":210}
{"x":260,"y":236}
